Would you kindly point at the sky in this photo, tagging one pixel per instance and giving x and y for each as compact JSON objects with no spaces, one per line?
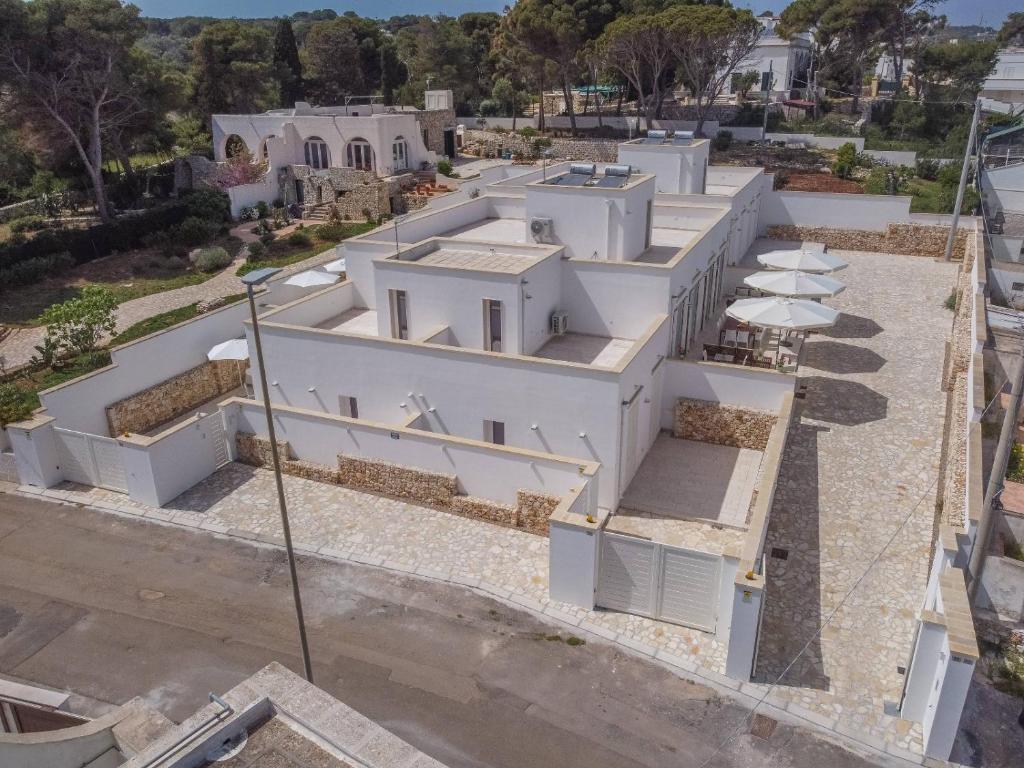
{"x":992,"y":12}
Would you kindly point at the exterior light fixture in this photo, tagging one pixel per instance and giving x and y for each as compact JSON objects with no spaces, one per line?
{"x":533,"y":427}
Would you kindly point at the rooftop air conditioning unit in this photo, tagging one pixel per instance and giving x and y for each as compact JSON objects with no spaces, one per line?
{"x":541,"y":229}
{"x":559,"y":322}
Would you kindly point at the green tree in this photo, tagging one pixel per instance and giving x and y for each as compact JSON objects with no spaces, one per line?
{"x":708,"y":42}
{"x":436,"y":50}
{"x":332,"y":62}
{"x":66,"y":63}
{"x":908,"y":117}
{"x":288,"y":65}
{"x":742,"y":83}
{"x":1012,"y":31}
{"x":76,"y":326}
{"x":233,"y":70}
{"x":14,"y":405}
{"x":956,"y":70}
{"x":640,"y":49}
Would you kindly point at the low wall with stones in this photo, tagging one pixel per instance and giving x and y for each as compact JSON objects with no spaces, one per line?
{"x":491,"y":144}
{"x":710,"y":422}
{"x":434,"y":489}
{"x":169,"y":399}
{"x":909,"y":239}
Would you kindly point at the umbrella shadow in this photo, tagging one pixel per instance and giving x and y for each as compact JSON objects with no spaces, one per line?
{"x":853,"y":327}
{"x":839,"y":401}
{"x":838,"y":357}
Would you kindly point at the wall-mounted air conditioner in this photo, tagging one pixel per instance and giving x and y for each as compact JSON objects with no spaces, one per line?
{"x":559,"y":322}
{"x":541,"y":229}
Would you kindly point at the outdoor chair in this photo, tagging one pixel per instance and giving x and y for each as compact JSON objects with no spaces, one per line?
{"x":743,"y":339}
{"x":730,"y":339}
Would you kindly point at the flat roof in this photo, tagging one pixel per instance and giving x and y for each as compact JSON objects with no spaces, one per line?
{"x":599,"y":351}
{"x":666,"y":242}
{"x":503,"y":230}
{"x":356,"y":320}
{"x":489,"y":260}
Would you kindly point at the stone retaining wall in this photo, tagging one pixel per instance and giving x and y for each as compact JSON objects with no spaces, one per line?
{"x":167,"y":400}
{"x":908,"y":239}
{"x":530,"y":514}
{"x":709,"y":422}
{"x":491,"y":144}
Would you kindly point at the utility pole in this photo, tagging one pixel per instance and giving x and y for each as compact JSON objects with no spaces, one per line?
{"x":976,"y":565}
{"x":963,"y":181}
{"x":767,"y":99}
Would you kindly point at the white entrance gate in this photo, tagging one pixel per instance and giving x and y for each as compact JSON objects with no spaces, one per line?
{"x":213,"y":425}
{"x":91,"y":460}
{"x":658,"y":581}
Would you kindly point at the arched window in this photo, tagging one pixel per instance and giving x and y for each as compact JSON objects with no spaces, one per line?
{"x":359,"y":154}
{"x":399,"y":154}
{"x":234,"y":145}
{"x":264,"y":149}
{"x":317,"y":155}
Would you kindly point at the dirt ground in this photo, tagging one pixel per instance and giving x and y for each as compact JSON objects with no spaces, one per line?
{"x":820,"y":182}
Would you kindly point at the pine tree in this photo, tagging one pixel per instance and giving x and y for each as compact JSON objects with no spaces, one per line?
{"x":286,"y":61}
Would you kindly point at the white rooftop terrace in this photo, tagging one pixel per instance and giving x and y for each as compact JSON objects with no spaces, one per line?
{"x":504,"y":230}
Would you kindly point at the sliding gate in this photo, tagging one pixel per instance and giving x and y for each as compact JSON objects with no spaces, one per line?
{"x":658,"y":581}
{"x":91,"y":460}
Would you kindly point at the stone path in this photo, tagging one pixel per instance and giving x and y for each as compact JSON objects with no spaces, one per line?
{"x":862,"y":456}
{"x":18,"y":347}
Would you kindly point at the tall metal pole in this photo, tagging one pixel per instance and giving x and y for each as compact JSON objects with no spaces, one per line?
{"x":767,"y":99}
{"x":306,"y":663}
{"x":963,"y":181}
{"x":979,"y":551}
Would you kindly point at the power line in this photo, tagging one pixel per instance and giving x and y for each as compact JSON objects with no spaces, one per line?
{"x":772,"y":686}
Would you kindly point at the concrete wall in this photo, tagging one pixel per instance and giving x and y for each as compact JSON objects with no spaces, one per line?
{"x":825,"y":209}
{"x":677,"y":169}
{"x":811,"y":140}
{"x":1002,"y":588}
{"x":892,"y":157}
{"x":751,"y":388}
{"x":1003,"y":188}
{"x":483,"y":470}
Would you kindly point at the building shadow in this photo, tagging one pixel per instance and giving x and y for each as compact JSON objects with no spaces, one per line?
{"x":839,"y":357}
{"x":789,"y":648}
{"x":853,"y":327}
{"x":839,"y":401}
{"x":207,"y":493}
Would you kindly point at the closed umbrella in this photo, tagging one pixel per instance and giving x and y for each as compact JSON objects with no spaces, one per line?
{"x":803,"y":259}
{"x":783,"y":313}
{"x":312,"y":278}
{"x":794,"y":283}
{"x":336,"y":267}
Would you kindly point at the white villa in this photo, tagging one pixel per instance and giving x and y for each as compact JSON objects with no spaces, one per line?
{"x":788,"y":58}
{"x":1003,"y":89}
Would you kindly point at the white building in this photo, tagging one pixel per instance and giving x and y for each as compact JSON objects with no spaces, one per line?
{"x":788,"y":59}
{"x":308,"y":149}
{"x":1003,"y":90}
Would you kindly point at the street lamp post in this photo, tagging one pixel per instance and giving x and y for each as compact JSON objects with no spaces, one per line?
{"x":251,"y":280}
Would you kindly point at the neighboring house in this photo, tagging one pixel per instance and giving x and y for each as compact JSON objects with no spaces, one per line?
{"x":1002,"y":194}
{"x":789,"y":59}
{"x":1003,"y":90}
{"x":319,"y":156}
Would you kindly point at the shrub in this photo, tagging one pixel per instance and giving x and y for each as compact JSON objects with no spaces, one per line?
{"x":212,"y":259}
{"x":75,"y":326}
{"x":36,"y":268}
{"x":722,"y":141}
{"x":1015,"y":466}
{"x":262,"y":209}
{"x":210,"y":204}
{"x":267,"y":238}
{"x":444,"y":167}
{"x":927,"y":169}
{"x":256,"y":251}
{"x":29,"y":223}
{"x":248,"y":213}
{"x":300,"y":238}
{"x":846,"y":161}
{"x":195,"y":231}
{"x":949,"y":174}
{"x":528,"y":132}
{"x":14,"y":406}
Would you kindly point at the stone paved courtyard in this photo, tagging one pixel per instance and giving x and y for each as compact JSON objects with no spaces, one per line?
{"x":862,"y":455}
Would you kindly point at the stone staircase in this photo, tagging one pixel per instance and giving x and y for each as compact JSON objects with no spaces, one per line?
{"x":319,"y":212}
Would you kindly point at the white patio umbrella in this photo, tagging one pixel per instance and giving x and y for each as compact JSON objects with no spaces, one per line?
{"x":336,"y":267}
{"x":312,"y":278}
{"x":802,"y":259}
{"x":794,"y":283}
{"x":232,"y":349}
{"x":783,"y":313}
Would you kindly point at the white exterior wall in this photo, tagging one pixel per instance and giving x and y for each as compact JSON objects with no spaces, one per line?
{"x":594,"y":223}
{"x":160,"y":471}
{"x":677,"y":169}
{"x":830,"y":209}
{"x":1003,"y":188}
{"x":542,"y":295}
{"x":755,"y":388}
{"x":380,"y":130}
{"x":463,"y":388}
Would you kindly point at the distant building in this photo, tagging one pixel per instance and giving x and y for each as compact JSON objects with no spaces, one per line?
{"x":1003,"y":90}
{"x":789,"y":59}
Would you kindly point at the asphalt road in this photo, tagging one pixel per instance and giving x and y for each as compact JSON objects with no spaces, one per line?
{"x":110,"y":608}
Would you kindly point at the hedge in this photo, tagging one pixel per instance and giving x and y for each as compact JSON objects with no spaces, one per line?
{"x":122,"y":234}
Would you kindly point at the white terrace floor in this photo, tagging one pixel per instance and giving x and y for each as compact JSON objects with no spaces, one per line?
{"x":862,"y":456}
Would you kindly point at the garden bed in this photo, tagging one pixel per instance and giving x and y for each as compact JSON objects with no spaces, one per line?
{"x":819,"y":182}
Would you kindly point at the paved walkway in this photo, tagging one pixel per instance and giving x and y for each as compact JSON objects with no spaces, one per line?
{"x":862,"y":457}
{"x":18,"y":347}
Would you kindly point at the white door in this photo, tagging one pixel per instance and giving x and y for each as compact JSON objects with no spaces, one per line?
{"x":109,"y":466}
{"x":74,"y":457}
{"x":91,"y":460}
{"x":214,"y":426}
{"x":626,"y":574}
{"x":689,"y":588}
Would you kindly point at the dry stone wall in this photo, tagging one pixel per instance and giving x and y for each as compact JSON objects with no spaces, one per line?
{"x":491,"y":144}
{"x":710,"y":422}
{"x":908,"y":239}
{"x":530,"y":514}
{"x":434,"y":122}
{"x":167,"y":400}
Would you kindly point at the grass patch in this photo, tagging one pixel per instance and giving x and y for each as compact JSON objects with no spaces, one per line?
{"x":1013,"y":549}
{"x":575,"y":641}
{"x":950,"y":302}
{"x":281,"y":253}
{"x":156,"y":323}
